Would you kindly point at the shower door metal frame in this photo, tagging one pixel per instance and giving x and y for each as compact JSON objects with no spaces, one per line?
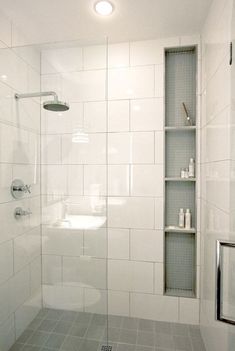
{"x":219,"y":246}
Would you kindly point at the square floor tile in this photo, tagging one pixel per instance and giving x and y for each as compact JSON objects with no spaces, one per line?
{"x":72,"y":343}
{"x":146,"y":325}
{"x":55,"y":341}
{"x":47,"y":325}
{"x":78,"y":329}
{"x":145,"y":339}
{"x":130,"y":323}
{"x":38,"y":338}
{"x":90,"y":345}
{"x":182,"y":343}
{"x":128,"y":336}
{"x":62,"y":327}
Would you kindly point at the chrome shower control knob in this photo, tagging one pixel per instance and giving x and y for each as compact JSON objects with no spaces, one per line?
{"x":19,"y":212}
{"x":18,"y":188}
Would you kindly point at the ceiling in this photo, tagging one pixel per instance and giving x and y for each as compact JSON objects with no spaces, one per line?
{"x":59,"y":20}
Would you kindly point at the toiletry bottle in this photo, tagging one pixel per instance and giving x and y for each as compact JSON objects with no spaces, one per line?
{"x":182,"y":173}
{"x":181,"y":218}
{"x":186,"y":173}
{"x":191,"y":168}
{"x":188,"y":218}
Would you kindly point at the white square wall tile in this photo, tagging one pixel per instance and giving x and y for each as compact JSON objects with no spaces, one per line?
{"x":130,"y":276}
{"x":188,"y":311}
{"x":118,"y":116}
{"x":119,"y":148}
{"x":51,"y":149}
{"x":59,"y":241}
{"x":133,"y":212}
{"x":19,"y":288}
{"x":26,"y":248}
{"x":84,"y":86}
{"x":142,"y":147}
{"x":158,"y":278}
{"x":52,"y":269}
{"x":118,"y":180}
{"x":131,"y":83}
{"x":63,"y":297}
{"x":61,"y":60}
{"x":94,"y":57}
{"x":159,"y":213}
{"x":95,"y":180}
{"x":69,"y":121}
{"x":95,"y":243}
{"x":118,"y":55}
{"x":118,"y":303}
{"x":50,"y":183}
{"x":95,"y":116}
{"x":95,"y":301}
{"x":146,"y":180}
{"x":146,"y":245}
{"x":159,"y":147}
{"x":146,"y":52}
{"x":84,"y":271}
{"x":5,"y":182}
{"x":118,"y":243}
{"x":147,"y":114}
{"x":159,"y":80}
{"x":154,"y":307}
{"x":36,"y":276}
{"x":92,"y":151}
{"x":6,"y":261}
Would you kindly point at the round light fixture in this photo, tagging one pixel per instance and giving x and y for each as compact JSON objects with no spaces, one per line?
{"x":104,"y":8}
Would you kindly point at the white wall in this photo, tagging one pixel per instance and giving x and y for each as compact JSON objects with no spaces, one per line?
{"x":217,"y":193}
{"x":20,"y":260}
{"x":121,"y":163}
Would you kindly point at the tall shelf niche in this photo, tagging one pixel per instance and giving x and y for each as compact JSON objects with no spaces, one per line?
{"x":180,"y":146}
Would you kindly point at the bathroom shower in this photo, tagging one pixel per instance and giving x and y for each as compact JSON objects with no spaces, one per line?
{"x":55,"y":105}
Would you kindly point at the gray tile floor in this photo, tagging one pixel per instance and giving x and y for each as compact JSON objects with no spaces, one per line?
{"x":80,"y":331}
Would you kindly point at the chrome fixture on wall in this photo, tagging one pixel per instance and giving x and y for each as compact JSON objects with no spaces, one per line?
{"x":18,"y":188}
{"x":19,"y":212}
{"x":54,"y":105}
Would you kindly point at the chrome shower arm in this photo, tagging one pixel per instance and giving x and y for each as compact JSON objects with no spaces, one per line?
{"x":39,"y":94}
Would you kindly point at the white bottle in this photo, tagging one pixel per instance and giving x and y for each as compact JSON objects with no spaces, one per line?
{"x":188,"y":218}
{"x":191,"y":168}
{"x":181,"y":218}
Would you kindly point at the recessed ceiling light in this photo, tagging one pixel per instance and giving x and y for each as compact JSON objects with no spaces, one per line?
{"x":104,"y":8}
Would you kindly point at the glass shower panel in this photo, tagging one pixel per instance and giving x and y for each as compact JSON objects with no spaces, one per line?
{"x":74,"y":235}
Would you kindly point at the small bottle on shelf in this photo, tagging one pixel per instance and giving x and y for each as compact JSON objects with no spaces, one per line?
{"x":191,"y":168}
{"x":188,"y":219}
{"x":186,"y":173}
{"x":181,"y":218}
{"x":182,"y":173}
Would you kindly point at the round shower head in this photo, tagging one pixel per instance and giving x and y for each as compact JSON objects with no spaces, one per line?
{"x":56,"y":106}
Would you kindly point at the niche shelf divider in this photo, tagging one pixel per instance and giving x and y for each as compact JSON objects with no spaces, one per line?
{"x":180,"y":146}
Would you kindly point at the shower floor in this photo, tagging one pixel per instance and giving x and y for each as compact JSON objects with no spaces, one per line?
{"x":81,"y":331}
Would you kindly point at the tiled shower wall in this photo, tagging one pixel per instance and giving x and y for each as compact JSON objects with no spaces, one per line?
{"x":20,"y":240}
{"x":217,"y":169}
{"x":97,"y":152}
